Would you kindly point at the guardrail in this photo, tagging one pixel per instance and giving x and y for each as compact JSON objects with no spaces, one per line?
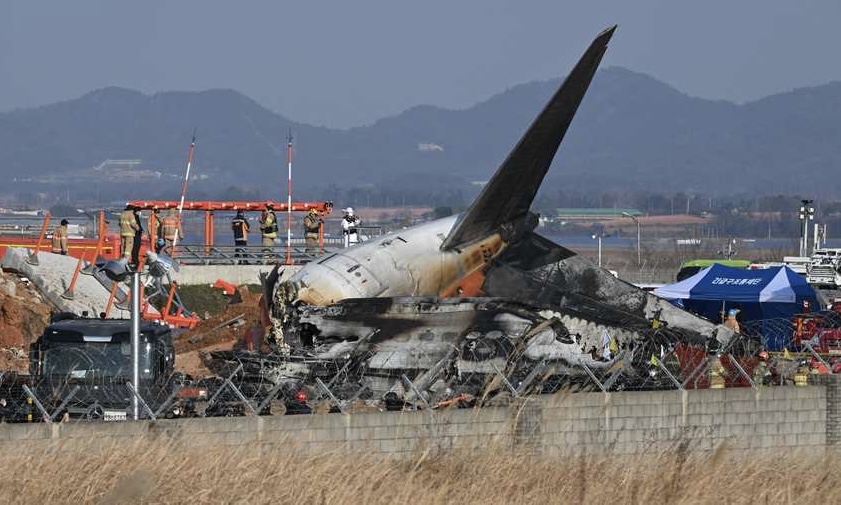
{"x":256,"y":254}
{"x":200,"y":254}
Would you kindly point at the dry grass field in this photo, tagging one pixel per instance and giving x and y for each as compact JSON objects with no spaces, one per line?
{"x":162,"y":473}
{"x":661,"y":265}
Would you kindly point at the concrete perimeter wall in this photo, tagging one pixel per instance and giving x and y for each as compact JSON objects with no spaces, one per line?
{"x":627,"y":422}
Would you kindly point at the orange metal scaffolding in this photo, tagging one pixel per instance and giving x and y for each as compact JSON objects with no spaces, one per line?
{"x":209,"y":207}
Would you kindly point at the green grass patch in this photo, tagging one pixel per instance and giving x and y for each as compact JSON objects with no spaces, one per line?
{"x":201,"y":298}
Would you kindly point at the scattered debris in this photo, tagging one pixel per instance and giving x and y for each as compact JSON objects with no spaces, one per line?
{"x":225,"y":328}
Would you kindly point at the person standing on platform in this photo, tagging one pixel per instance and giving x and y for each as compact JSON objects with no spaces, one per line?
{"x":60,"y":238}
{"x":312,"y":230}
{"x":240,"y":227}
{"x":128,"y":229}
{"x":350,"y":222}
{"x":138,"y":238}
{"x":170,"y":229}
{"x":268,"y":229}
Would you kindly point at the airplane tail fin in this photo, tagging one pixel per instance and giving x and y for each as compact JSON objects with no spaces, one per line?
{"x":509,"y":194}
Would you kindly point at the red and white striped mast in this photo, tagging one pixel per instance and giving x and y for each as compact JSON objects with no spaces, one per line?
{"x":289,"y":199}
{"x":190,"y":153}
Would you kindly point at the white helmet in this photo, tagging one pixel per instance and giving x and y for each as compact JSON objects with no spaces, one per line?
{"x":348,"y":211}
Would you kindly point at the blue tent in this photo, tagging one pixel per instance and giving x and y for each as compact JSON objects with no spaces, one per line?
{"x":762,"y":295}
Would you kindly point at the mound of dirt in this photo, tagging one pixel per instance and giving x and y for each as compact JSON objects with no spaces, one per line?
{"x":224,"y":329}
{"x":23,"y":316}
{"x":222,"y":332}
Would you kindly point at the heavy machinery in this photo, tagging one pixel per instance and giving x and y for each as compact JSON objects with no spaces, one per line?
{"x":824,"y":268}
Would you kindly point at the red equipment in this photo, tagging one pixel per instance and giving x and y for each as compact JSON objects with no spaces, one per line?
{"x":812,"y":327}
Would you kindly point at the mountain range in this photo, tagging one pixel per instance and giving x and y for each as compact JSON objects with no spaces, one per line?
{"x":632,"y":132}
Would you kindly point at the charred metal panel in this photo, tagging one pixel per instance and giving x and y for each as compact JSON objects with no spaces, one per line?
{"x":466,"y":339}
{"x":541,"y":272}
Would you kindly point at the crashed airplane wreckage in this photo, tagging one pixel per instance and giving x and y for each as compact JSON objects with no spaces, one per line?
{"x":470,"y":304}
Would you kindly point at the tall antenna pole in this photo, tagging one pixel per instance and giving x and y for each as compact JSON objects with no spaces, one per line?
{"x":190,"y":153}
{"x":289,"y":199}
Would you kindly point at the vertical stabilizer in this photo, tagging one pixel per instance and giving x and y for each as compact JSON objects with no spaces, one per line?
{"x":510,"y":192}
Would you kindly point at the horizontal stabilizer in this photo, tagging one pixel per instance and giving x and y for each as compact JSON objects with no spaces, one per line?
{"x":510,"y":192}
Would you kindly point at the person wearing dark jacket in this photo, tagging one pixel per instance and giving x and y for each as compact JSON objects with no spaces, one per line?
{"x":240,"y":227}
{"x":138,"y":236}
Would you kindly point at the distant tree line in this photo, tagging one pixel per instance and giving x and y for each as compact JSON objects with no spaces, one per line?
{"x":738,"y":215}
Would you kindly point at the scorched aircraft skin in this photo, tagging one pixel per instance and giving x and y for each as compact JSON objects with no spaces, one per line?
{"x":426,"y":300}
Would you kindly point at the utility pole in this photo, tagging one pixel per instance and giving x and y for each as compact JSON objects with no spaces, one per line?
{"x":639,"y":254}
{"x":806,"y":214}
{"x":289,"y":199}
{"x":190,"y":153}
{"x":729,"y":252}
{"x":598,"y":236}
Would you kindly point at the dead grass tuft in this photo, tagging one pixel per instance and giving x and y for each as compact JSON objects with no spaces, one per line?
{"x":154,"y":472}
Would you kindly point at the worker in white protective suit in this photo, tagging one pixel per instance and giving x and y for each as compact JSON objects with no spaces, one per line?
{"x":349,"y":225}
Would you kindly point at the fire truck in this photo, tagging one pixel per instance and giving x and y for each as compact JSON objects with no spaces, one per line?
{"x":821,"y":330}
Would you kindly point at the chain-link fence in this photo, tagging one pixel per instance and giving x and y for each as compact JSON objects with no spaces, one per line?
{"x":91,"y":382}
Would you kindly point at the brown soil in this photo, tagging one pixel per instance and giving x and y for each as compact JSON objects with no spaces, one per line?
{"x":23,"y":318}
{"x":224,"y":329}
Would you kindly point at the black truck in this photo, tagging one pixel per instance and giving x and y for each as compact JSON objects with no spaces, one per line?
{"x":80,"y":368}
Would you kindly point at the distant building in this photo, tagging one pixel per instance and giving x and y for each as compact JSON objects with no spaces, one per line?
{"x":572,"y":214}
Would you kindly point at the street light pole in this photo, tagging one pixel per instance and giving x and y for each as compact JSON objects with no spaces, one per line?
{"x":135,"y":343}
{"x":600,"y":251}
{"x":807,"y":213}
{"x":639,"y":254}
{"x":598,"y":236}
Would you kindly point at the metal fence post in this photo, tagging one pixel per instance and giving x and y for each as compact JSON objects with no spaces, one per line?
{"x":141,"y":401}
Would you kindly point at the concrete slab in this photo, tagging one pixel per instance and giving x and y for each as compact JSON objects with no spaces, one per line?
{"x":53,"y":274}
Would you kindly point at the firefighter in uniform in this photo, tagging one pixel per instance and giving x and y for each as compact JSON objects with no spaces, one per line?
{"x":801,"y":377}
{"x":128,"y":228}
{"x":240,"y":227}
{"x":268,"y":228}
{"x":350,"y":222}
{"x":60,"y":238}
{"x":170,"y":229}
{"x":761,"y":373}
{"x":155,"y":220}
{"x":138,"y":238}
{"x":312,"y":228}
{"x":731,"y":321}
{"x":716,"y":374}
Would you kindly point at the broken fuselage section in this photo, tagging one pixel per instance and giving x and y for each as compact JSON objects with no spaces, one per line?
{"x":444,"y":347}
{"x":545,"y":318}
{"x":477,"y":295}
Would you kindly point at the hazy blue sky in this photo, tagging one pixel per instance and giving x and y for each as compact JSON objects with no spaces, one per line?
{"x":341,"y":63}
